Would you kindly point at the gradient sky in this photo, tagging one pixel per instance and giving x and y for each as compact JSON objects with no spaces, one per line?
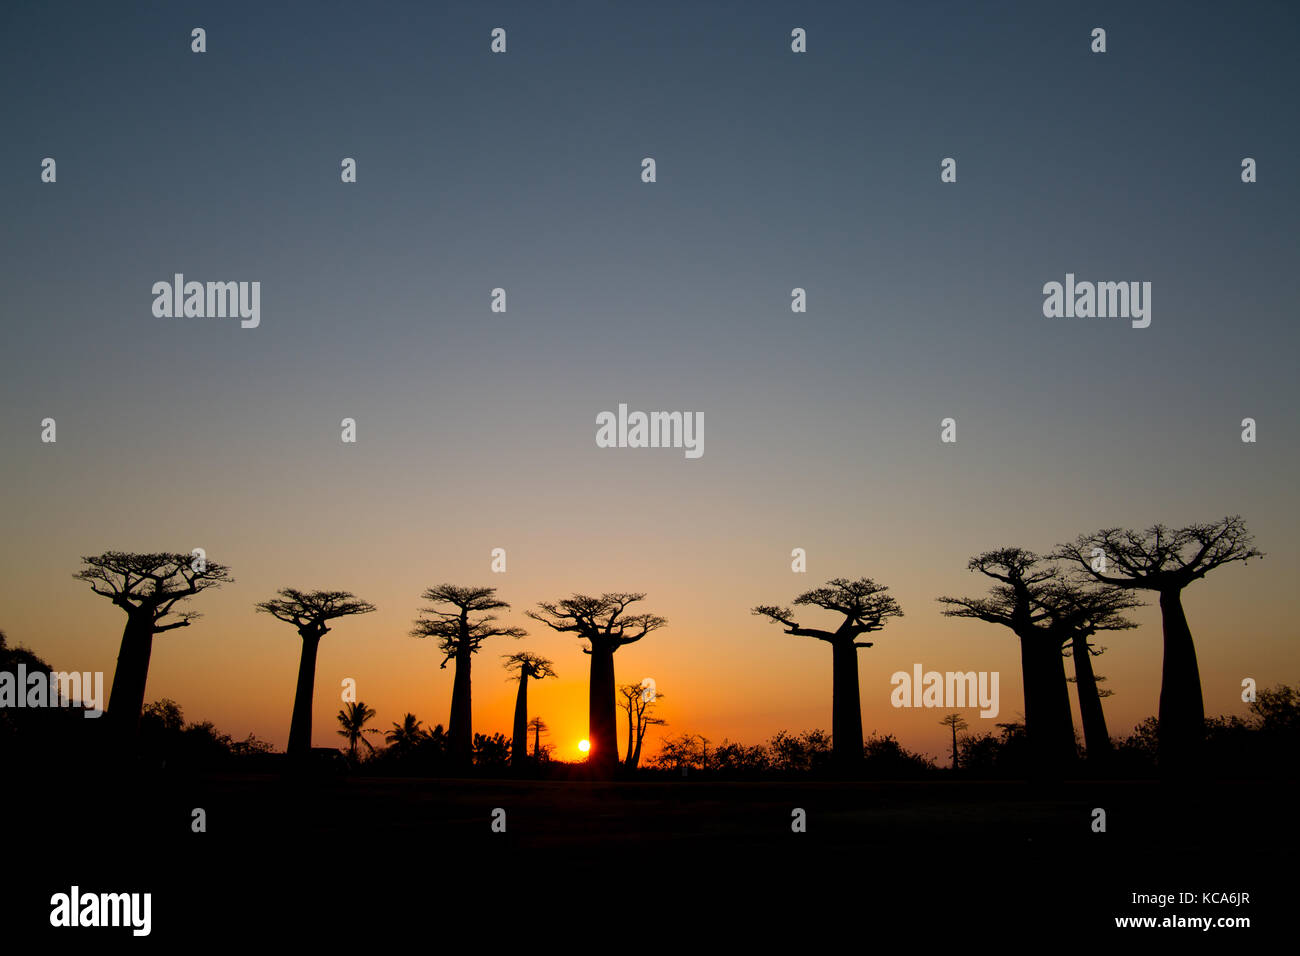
{"x":476,"y":430}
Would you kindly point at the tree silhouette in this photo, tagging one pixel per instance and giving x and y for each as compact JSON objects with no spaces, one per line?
{"x":147,"y":587}
{"x":637,"y":703}
{"x":1017,"y":603}
{"x":309,"y":612}
{"x":1077,"y":612}
{"x":866,"y":608}
{"x":1166,"y":561}
{"x":459,"y":632}
{"x":353,"y":719}
{"x":538,"y":727}
{"x":406,"y":736}
{"x":606,"y":626}
{"x":1087,"y":685}
{"x":956,"y":722}
{"x":523,"y":666}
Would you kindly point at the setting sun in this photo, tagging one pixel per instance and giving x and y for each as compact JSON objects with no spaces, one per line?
{"x":584,"y":745}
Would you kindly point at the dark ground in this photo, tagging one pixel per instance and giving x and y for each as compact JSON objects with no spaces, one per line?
{"x":387,"y":859}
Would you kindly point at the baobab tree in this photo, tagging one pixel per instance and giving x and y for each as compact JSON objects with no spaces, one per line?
{"x":1076,"y":612}
{"x":538,"y":727}
{"x":1166,"y":560}
{"x":1090,"y":693}
{"x":606,"y":626}
{"x":523,"y":666}
{"x":459,"y":631}
{"x":866,"y":608}
{"x":147,"y":587}
{"x":309,"y":612}
{"x":1016,"y":602}
{"x":637,"y":701}
{"x":956,"y":722}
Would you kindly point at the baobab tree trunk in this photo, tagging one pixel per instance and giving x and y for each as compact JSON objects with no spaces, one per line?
{"x":602,"y":727}
{"x":519,"y":744}
{"x":537,"y":743}
{"x":460,"y":734}
{"x":1056,"y":691}
{"x":126,"y":697}
{"x":846,"y":707}
{"x":300,"y":724}
{"x":1182,"y":709}
{"x":1095,"y":735}
{"x":1049,"y":726}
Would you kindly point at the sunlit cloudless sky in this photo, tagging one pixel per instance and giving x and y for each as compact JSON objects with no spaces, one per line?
{"x":476,"y":429}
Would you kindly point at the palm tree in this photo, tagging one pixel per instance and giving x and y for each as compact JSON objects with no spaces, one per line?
{"x":406,"y":735}
{"x":353,"y":720}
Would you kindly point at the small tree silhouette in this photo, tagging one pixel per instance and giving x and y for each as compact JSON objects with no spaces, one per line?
{"x":637,"y":703}
{"x":147,"y":587}
{"x":353,"y":719}
{"x":406,"y":736}
{"x":1166,"y":560}
{"x":523,"y":666}
{"x":309,"y":612}
{"x":459,"y":632}
{"x":538,"y":727}
{"x":866,"y":608}
{"x":956,"y":722}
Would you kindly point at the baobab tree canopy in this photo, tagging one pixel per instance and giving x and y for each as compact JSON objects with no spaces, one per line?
{"x":311,"y":609}
{"x":601,"y":620}
{"x":528,"y":664}
{"x":865,"y":606}
{"x":1161,"y":558}
{"x":455,"y":630}
{"x":151,"y":584}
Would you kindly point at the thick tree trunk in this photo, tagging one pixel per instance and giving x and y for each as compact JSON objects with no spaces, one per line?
{"x":537,"y":744}
{"x":602,"y":729}
{"x":126,"y":697}
{"x":1095,"y":735}
{"x":1056,"y":691}
{"x":846,"y":707}
{"x":519,"y":744}
{"x":460,"y":733}
{"x":954,"y":746}
{"x":1182,"y":709}
{"x":300,"y":723}
{"x":1049,"y":725}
